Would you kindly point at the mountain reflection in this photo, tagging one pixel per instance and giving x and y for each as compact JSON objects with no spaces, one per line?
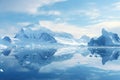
{"x":35,"y":58}
{"x":29,"y":58}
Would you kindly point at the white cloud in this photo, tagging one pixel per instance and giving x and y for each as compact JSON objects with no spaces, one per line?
{"x":91,"y":13}
{"x":22,"y":24}
{"x":9,"y":31}
{"x":63,"y":27}
{"x":25,"y":6}
{"x":112,"y":26}
{"x":77,"y":31}
{"x":116,"y":5}
{"x":51,"y":12}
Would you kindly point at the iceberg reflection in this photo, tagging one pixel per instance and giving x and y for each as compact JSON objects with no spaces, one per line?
{"x":107,"y":54}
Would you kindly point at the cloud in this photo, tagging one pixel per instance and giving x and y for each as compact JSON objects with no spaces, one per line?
{"x":92,"y":30}
{"x":25,"y":6}
{"x":112,"y":26}
{"x":51,"y":12}
{"x":91,"y":13}
{"x":11,"y":30}
{"x":22,"y":24}
{"x":77,"y":31}
{"x":116,"y":5}
{"x":62,"y":27}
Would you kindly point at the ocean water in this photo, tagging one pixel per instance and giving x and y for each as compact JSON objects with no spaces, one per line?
{"x":64,"y":63}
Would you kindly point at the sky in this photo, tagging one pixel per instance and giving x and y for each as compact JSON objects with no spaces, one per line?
{"x":77,"y":17}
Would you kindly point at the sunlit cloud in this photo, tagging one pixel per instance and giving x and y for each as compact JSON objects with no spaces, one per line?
{"x":116,"y":6}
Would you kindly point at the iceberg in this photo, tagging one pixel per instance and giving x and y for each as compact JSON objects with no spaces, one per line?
{"x":106,"y":39}
{"x":106,"y":46}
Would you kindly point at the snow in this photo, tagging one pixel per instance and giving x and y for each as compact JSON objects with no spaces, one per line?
{"x":34,"y":36}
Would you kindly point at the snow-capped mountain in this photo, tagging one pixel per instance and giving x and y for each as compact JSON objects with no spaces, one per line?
{"x":40,"y":36}
{"x":35,"y":35}
{"x":28,"y":38}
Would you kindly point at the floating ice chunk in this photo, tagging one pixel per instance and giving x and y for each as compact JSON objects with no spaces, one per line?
{"x":1,"y":70}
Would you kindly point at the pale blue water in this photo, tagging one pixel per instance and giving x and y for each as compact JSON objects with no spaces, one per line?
{"x":72,"y":63}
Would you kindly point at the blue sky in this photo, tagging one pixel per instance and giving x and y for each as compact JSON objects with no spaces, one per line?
{"x":68,"y":14}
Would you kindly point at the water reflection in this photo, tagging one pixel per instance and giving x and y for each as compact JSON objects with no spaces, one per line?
{"x":58,"y":63}
{"x":34,"y":58}
{"x":107,"y":54}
